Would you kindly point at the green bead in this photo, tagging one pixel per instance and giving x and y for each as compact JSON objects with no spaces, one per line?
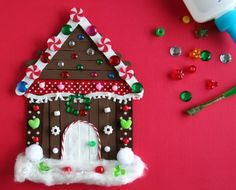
{"x":160,"y":32}
{"x":92,"y":143}
{"x":76,"y":112}
{"x":69,"y":109}
{"x":87,"y":107}
{"x":185,"y":96}
{"x":99,"y":61}
{"x":68,"y":104}
{"x":137,"y":87}
{"x":66,"y":29}
{"x":205,"y":55}
{"x":86,"y":101}
{"x":80,"y":67}
{"x":43,"y":167}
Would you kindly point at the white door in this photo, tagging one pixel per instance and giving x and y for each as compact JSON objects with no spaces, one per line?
{"x":77,"y":140}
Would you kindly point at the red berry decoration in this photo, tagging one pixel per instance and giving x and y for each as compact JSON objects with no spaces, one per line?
{"x":125,"y":141}
{"x":177,"y":74}
{"x":35,"y":139}
{"x":192,"y":69}
{"x":99,"y":169}
{"x":65,"y":75}
{"x":35,"y":107}
{"x":45,"y":57}
{"x":125,"y":108}
{"x":114,"y":60}
{"x":83,"y":112}
{"x":211,"y":84}
{"x":67,"y":169}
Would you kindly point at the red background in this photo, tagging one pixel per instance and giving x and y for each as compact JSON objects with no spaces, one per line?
{"x":182,"y":152}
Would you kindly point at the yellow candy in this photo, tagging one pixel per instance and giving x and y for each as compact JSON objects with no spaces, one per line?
{"x":186,"y":19}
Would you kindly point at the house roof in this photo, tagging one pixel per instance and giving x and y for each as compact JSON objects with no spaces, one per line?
{"x":25,"y":86}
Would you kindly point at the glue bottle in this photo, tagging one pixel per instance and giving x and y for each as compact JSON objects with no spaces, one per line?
{"x":222,"y":11}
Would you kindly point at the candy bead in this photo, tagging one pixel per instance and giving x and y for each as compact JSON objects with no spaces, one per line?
{"x":211,"y":84}
{"x":22,"y":86}
{"x":91,"y":30}
{"x":125,"y":108}
{"x":87,"y":107}
{"x":92,"y":143}
{"x":74,"y":56}
{"x":107,"y":149}
{"x":60,"y":64}
{"x":36,"y":107}
{"x":66,"y":29}
{"x":201,"y":32}
{"x":195,"y":54}
{"x":137,"y":87}
{"x":65,"y":75}
{"x":71,"y":43}
{"x":67,"y":169}
{"x":175,"y":51}
{"x":107,"y":110}
{"x":225,"y":58}
{"x":55,"y":150}
{"x":90,"y":51}
{"x":205,"y":55}
{"x":93,"y":74}
{"x":80,"y":67}
{"x":192,"y":69}
{"x":99,"y":169}
{"x":160,"y":32}
{"x":186,"y":19}
{"x":57,"y":113}
{"x":185,"y":96}
{"x":45,"y":57}
{"x":177,"y":74}
{"x":114,"y":60}
{"x":81,"y":37}
{"x":125,"y":141}
{"x":114,"y":88}
{"x":99,"y":61}
{"x":111,"y":75}
{"x":83,"y":112}
{"x":35,"y":139}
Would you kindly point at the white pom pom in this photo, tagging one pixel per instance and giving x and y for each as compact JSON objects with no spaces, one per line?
{"x":34,"y":152}
{"x":125,"y":156}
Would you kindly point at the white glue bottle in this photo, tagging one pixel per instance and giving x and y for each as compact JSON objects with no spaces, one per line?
{"x":222,"y":11}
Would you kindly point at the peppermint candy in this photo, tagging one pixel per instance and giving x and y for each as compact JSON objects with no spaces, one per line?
{"x":76,"y":15}
{"x":54,"y":43}
{"x":104,"y":44}
{"x":126,"y":72}
{"x":33,"y":72}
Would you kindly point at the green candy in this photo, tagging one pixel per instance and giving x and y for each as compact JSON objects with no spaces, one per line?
{"x":160,"y":32}
{"x":43,"y":167}
{"x":34,"y":123}
{"x":125,"y":124}
{"x":87,"y":107}
{"x":80,"y":67}
{"x":118,"y":171}
{"x":137,"y":87}
{"x":99,"y":61}
{"x":92,"y":143}
{"x":66,"y":29}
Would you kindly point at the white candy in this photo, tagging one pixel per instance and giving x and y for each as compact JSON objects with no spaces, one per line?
{"x":34,"y":152}
{"x":107,"y":149}
{"x":55,"y":150}
{"x":107,"y":110}
{"x":125,"y":156}
{"x":57,"y":113}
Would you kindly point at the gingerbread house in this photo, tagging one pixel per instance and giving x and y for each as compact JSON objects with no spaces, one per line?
{"x":80,"y":97}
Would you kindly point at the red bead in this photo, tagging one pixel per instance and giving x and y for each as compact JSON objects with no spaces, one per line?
{"x":74,"y":56}
{"x":35,"y":107}
{"x":177,"y":74}
{"x":114,"y":60}
{"x":35,"y":139}
{"x":45,"y":57}
{"x":99,"y":169}
{"x":125,"y":141}
{"x":93,"y":74}
{"x":65,"y":75}
{"x":211,"y":84}
{"x":192,"y":69}
{"x":67,"y":169}
{"x":83,"y":112}
{"x":125,"y":108}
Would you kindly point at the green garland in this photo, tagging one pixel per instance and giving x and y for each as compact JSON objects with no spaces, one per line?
{"x":82,"y":99}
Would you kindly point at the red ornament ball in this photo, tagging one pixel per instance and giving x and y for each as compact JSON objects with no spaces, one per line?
{"x":125,"y":108}
{"x":65,"y":75}
{"x":35,"y":139}
{"x":67,"y":169}
{"x":35,"y":107}
{"x":99,"y":169}
{"x":74,"y":56}
{"x":177,"y":74}
{"x":192,"y":69}
{"x":125,"y":141}
{"x":83,"y":112}
{"x":45,"y":57}
{"x":114,"y":60}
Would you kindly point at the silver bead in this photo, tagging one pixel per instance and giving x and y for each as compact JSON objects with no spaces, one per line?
{"x":226,"y":58}
{"x":72,"y":43}
{"x":175,"y":51}
{"x":90,"y":51}
{"x":60,"y":64}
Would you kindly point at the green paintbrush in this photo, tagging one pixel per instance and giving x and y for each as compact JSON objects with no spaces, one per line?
{"x":226,"y":94}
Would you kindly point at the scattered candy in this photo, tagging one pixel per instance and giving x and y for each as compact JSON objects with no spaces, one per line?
{"x":60,"y":86}
{"x":211,"y":84}
{"x":45,"y":57}
{"x":76,"y":15}
{"x":80,"y":67}
{"x":118,"y":171}
{"x":107,"y":110}
{"x":107,"y":149}
{"x":108,"y":130}
{"x":55,"y":150}
{"x":43,"y":167}
{"x":201,"y":32}
{"x":60,"y":64}
{"x":104,"y":44}
{"x":126,"y":124}
{"x":42,"y":85}
{"x":177,"y":74}
{"x":66,"y":30}
{"x":34,"y":123}
{"x":65,"y":75}
{"x":175,"y":51}
{"x":71,"y":43}
{"x":185,"y":96}
{"x":54,"y":43}
{"x":114,"y":60}
{"x":126,"y":73}
{"x":33,"y":72}
{"x":57,"y":113}
{"x":195,"y":53}
{"x":205,"y":55}
{"x":90,"y":51}
{"x":225,"y":58}
{"x":192,"y":69}
{"x":92,"y":143}
{"x":186,"y":19}
{"x":91,"y":30}
{"x":22,"y":86}
{"x":99,"y":169}
{"x":160,"y":32}
{"x":137,"y":87}
{"x":99,"y":61}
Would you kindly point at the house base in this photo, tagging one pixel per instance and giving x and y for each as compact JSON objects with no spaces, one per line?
{"x":53,"y":173}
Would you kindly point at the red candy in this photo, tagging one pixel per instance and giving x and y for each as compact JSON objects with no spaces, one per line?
{"x":125,"y":141}
{"x":35,"y":139}
{"x":83,"y":112}
{"x":192,"y":69}
{"x":211,"y":84}
{"x":65,"y":75}
{"x":125,"y":108}
{"x":45,"y":57}
{"x":114,"y":60}
{"x":177,"y":74}
{"x":99,"y":169}
{"x":67,"y":169}
{"x":35,"y":107}
{"x":74,"y":56}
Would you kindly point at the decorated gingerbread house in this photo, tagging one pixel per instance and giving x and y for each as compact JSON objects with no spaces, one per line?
{"x":79,"y":119}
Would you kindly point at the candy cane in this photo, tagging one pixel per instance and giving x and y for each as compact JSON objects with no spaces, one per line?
{"x":126,"y":73}
{"x":33,"y":72}
{"x":76,"y":15}
{"x":104,"y":44}
{"x":54,"y":43}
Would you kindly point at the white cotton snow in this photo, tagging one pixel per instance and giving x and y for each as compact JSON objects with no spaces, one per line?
{"x":125,"y":156}
{"x":34,"y":152}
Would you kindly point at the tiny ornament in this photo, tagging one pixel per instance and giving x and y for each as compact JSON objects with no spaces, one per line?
{"x":104,"y":44}
{"x":114,"y":60}
{"x":42,"y":85}
{"x":126,"y":73}
{"x":57,"y":113}
{"x":108,"y":130}
{"x":34,"y":152}
{"x":185,"y":96}
{"x":205,"y":55}
{"x":125,"y":108}
{"x":55,"y":130}
{"x":33,"y":72}
{"x":54,"y":43}
{"x":55,"y":150}
{"x":107,"y":149}
{"x":195,"y":53}
{"x":76,"y":15}
{"x":125,"y":156}
{"x":107,"y":110}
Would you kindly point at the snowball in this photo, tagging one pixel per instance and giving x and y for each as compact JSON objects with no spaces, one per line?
{"x":125,"y":156}
{"x":34,"y":152}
